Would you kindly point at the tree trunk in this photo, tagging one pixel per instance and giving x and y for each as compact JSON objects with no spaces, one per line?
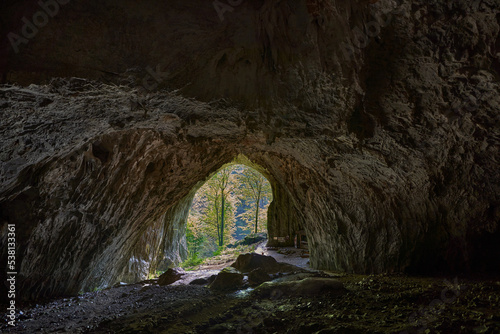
{"x":221,"y":241}
{"x":257,"y":212}
{"x":217,"y":223}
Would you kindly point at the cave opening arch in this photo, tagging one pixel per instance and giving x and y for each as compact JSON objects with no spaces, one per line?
{"x":228,"y":207}
{"x":163,"y":244}
{"x":100,"y":198}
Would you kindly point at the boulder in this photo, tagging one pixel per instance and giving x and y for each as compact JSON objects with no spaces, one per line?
{"x":170,"y":276}
{"x":228,"y":279}
{"x":199,"y":281}
{"x":251,"y":261}
{"x":211,"y":278}
{"x":258,"y":276}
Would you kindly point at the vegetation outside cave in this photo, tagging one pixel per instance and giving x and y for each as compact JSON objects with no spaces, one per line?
{"x":229,"y":206}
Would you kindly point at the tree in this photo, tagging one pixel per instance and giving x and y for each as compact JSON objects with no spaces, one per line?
{"x":196,"y":237}
{"x":217,"y":207}
{"x":255,"y":190}
{"x":211,"y":221}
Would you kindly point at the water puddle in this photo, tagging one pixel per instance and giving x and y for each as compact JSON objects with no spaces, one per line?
{"x":243,"y":293}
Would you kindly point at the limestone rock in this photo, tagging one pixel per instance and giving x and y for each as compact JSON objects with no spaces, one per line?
{"x":258,"y":276}
{"x":251,"y":261}
{"x":228,"y":279}
{"x":170,"y":276}
{"x":199,"y":281}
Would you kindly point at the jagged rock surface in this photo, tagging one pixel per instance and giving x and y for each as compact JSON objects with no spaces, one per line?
{"x":387,"y":156}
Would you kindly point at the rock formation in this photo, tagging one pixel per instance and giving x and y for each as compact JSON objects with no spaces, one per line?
{"x":170,"y":276}
{"x":227,"y":279}
{"x":377,"y":125}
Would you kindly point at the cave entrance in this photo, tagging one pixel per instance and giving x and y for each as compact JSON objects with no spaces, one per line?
{"x":164,"y":240}
{"x":229,"y":213}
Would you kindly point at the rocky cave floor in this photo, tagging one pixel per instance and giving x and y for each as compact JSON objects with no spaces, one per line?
{"x":390,"y":303}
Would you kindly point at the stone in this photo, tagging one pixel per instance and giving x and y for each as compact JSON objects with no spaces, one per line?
{"x":251,"y":261}
{"x":170,"y":276}
{"x":211,"y":278}
{"x":228,"y":279}
{"x":258,"y":276}
{"x":199,"y":281}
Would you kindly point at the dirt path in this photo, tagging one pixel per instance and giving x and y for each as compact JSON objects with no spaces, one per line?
{"x":288,"y":255}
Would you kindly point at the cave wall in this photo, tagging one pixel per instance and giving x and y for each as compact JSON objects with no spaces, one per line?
{"x":377,"y":125}
{"x":284,"y":219}
{"x":162,"y":246}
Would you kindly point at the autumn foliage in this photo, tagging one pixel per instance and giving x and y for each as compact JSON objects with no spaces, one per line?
{"x":231,"y":204}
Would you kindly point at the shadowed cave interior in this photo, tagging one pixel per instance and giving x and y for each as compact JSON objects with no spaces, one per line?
{"x":376,"y":123}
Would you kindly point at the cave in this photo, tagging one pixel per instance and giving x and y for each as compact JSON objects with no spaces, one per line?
{"x":376,"y":123}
